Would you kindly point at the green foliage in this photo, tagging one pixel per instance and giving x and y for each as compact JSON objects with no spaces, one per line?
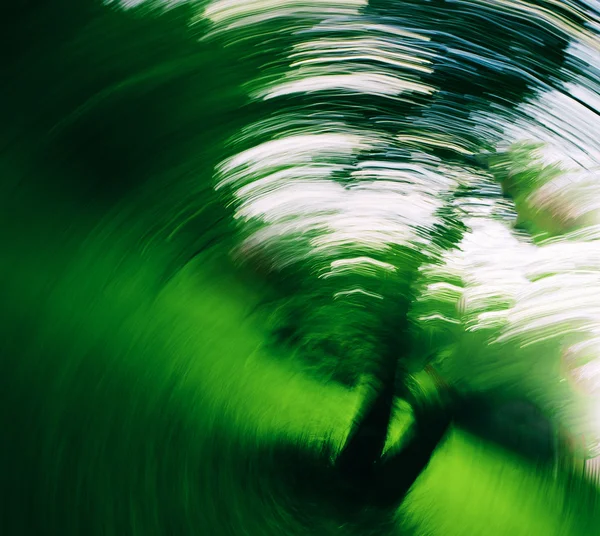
{"x":522,"y":173}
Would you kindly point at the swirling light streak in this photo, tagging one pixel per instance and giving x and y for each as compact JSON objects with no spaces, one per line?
{"x":247,"y":11}
{"x":305,"y":80}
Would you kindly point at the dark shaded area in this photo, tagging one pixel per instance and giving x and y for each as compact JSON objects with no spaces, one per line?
{"x":515,"y":425}
{"x":103,"y":105}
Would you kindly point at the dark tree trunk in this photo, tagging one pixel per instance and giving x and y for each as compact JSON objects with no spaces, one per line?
{"x":385,"y":480}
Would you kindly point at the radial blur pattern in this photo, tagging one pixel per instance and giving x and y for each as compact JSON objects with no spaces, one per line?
{"x":219,"y":217}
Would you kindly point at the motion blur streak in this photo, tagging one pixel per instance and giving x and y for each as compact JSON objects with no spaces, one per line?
{"x":221,"y":221}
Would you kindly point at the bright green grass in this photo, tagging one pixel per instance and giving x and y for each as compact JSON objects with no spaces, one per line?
{"x":138,"y":407}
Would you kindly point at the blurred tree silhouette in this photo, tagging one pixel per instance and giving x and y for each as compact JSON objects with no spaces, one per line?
{"x":126,"y":114}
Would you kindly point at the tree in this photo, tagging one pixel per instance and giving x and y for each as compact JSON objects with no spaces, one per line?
{"x":465,"y":81}
{"x":120,"y":125}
